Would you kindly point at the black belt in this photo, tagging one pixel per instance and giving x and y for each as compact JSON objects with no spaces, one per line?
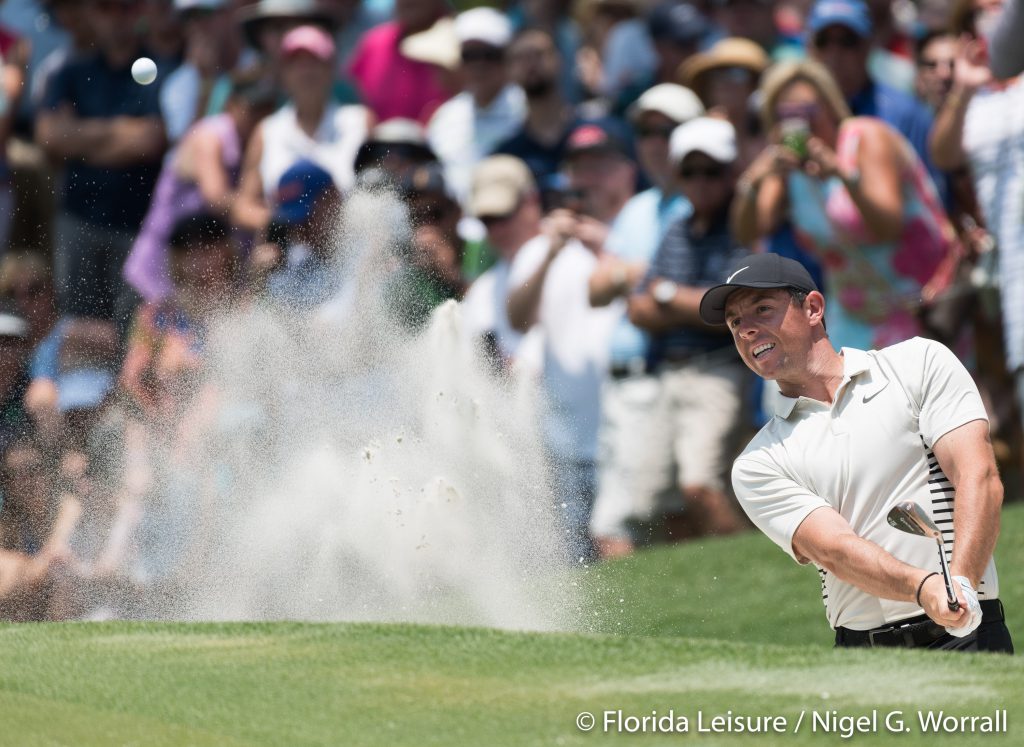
{"x":912,"y":632}
{"x":627,"y":369}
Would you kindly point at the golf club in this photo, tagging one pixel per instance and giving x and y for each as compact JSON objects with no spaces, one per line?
{"x":911,"y":518}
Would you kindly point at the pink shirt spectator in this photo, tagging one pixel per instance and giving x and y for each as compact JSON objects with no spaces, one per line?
{"x":393,"y":85}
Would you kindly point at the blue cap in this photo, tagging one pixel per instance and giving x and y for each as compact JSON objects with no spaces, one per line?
{"x":298,"y":190}
{"x":677,"y":22}
{"x":83,"y":388}
{"x":853,"y":14}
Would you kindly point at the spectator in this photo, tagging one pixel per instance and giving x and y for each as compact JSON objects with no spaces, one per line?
{"x":265,"y":23}
{"x":73,"y":342}
{"x":701,"y":377}
{"x":13,"y":373}
{"x":549,"y":281}
{"x":678,"y":30}
{"x":307,"y":209}
{"x":504,"y":196}
{"x":935,"y":55}
{"x":165,"y":347}
{"x":1007,"y":55}
{"x":858,"y":198}
{"x":619,"y":55}
{"x":25,"y":279}
{"x":200,"y":175}
{"x":105,"y":129}
{"x":726,"y":77}
{"x":554,"y":17}
{"x":753,"y":20}
{"x":535,"y":65}
{"x":352,"y":19}
{"x":310,"y":127}
{"x":391,"y":84}
{"x":431,"y":271}
{"x":489,"y":110}
{"x":892,"y":50}
{"x":25,"y":524}
{"x":974,"y":128}
{"x":14,"y":54}
{"x":628,"y":397}
{"x":393,"y":149}
{"x":839,"y":34}
{"x":201,"y":84}
{"x":72,"y":17}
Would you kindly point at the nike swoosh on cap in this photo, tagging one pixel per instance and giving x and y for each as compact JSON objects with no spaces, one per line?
{"x":729,"y":279}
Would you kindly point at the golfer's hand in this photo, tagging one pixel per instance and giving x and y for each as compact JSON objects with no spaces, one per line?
{"x":968,"y":602}
{"x":936,"y":606}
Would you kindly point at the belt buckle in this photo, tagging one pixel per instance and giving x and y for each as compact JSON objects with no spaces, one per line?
{"x":878,"y":632}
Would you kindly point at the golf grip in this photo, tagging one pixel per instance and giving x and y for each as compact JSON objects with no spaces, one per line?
{"x":951,"y":599}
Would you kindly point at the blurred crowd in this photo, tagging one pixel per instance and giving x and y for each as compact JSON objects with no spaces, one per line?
{"x":575,"y":174}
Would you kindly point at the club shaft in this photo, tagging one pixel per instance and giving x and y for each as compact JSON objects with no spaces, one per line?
{"x":950,"y":591}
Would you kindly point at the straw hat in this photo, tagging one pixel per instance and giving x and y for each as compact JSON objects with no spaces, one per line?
{"x":731,"y":52}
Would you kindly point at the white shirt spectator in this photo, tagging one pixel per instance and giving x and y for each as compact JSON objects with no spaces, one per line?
{"x":462,"y":133}
{"x":333,"y":147}
{"x":576,"y":344}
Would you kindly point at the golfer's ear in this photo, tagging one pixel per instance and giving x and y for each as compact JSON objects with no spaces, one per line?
{"x":814,"y":307}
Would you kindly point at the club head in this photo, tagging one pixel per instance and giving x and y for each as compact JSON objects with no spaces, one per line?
{"x":911,"y":518}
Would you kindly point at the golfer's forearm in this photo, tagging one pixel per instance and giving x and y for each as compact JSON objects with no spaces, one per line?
{"x":976,"y":524}
{"x":867,"y":566}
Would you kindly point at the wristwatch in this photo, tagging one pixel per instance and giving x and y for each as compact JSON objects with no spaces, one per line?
{"x":664,"y":291}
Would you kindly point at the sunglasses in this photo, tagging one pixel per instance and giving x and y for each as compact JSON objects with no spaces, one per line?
{"x":664,"y":132}
{"x":936,"y":64}
{"x":805,"y":112}
{"x":709,"y":172}
{"x":482,"y":55}
{"x":841,"y":40}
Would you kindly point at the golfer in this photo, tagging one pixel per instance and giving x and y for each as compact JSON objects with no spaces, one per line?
{"x":855,"y":433}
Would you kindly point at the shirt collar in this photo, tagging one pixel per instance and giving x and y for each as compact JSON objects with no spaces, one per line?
{"x":855,"y":362}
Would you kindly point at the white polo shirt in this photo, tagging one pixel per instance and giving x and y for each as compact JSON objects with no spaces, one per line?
{"x":868,"y":451}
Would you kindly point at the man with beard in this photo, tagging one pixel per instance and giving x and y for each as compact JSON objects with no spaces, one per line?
{"x":535,"y":64}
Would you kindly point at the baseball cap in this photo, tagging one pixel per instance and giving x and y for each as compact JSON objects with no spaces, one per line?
{"x":83,"y":388}
{"x":676,"y":102}
{"x":312,"y":39}
{"x":593,"y":137}
{"x":499,"y":185}
{"x":298,"y":190}
{"x":709,"y":135}
{"x":754,"y":271}
{"x":677,"y":22}
{"x":485,"y":25}
{"x":853,"y":14}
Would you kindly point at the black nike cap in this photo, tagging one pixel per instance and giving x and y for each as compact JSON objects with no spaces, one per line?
{"x":754,"y":271}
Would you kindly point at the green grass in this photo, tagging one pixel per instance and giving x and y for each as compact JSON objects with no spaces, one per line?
{"x":396,"y":685}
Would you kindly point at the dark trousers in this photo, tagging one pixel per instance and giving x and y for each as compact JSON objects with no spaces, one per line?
{"x":921,"y":632}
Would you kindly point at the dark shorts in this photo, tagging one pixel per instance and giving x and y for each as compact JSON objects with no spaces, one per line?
{"x":921,"y":632}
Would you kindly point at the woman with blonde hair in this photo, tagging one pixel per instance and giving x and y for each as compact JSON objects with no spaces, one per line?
{"x":858,"y":199}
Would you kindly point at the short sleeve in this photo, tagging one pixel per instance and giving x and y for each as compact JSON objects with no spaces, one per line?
{"x":949,"y":397}
{"x":776,"y":503}
{"x":56,"y":91}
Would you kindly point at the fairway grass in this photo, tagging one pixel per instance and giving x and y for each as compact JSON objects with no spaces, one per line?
{"x":701,"y":629}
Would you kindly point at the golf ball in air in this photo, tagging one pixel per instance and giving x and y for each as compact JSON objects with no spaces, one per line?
{"x":144,"y":71}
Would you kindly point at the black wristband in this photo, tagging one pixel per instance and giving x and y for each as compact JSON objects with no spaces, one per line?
{"x":921,"y":586}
